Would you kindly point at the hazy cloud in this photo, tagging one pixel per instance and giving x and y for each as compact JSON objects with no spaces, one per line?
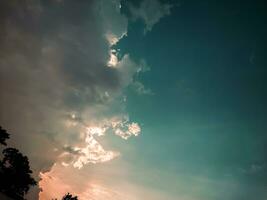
{"x":150,"y":11}
{"x":141,"y":89}
{"x":55,"y":78}
{"x":59,"y":77}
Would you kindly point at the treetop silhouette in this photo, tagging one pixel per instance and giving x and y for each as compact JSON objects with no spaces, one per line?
{"x":69,"y":197}
{"x":3,"y":136}
{"x":15,"y":172}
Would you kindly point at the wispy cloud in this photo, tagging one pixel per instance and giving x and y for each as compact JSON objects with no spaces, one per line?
{"x":150,"y":11}
{"x":141,"y":89}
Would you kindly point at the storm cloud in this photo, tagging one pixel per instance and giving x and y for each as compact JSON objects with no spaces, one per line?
{"x":60,"y":79}
{"x":53,"y":60}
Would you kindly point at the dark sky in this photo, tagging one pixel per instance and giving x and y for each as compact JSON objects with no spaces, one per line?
{"x":207,"y":116}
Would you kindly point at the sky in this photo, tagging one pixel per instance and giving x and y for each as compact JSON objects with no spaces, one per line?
{"x":137,"y":99}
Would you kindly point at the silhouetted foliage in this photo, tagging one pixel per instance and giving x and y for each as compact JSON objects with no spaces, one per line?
{"x":3,"y":136}
{"x":15,"y":173}
{"x":69,"y":197}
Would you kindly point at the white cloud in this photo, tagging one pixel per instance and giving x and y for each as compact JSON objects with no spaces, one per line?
{"x":93,"y":153}
{"x":134,"y":128}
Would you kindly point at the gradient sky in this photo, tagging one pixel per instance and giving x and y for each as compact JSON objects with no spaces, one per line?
{"x":133,"y":100}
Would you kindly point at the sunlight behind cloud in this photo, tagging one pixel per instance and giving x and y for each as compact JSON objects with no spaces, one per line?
{"x":113,"y":60}
{"x":93,"y":152}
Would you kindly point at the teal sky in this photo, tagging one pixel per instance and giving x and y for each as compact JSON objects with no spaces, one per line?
{"x":137,"y":99}
{"x":204,"y":126}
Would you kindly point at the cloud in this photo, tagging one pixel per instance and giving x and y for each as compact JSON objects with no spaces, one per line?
{"x":137,"y":85}
{"x":92,"y":151}
{"x":140,"y":88}
{"x":150,"y":11}
{"x":62,"y":83}
{"x":100,"y":182}
{"x":55,"y":80}
{"x":253,"y":168}
{"x":132,"y":129}
{"x":54,"y":71}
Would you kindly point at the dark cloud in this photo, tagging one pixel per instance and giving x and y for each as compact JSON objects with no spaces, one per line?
{"x":54,"y":77}
{"x":53,"y":61}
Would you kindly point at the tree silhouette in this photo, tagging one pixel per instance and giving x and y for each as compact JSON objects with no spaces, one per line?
{"x":15,"y":173}
{"x":69,"y":197}
{"x":3,"y":136}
